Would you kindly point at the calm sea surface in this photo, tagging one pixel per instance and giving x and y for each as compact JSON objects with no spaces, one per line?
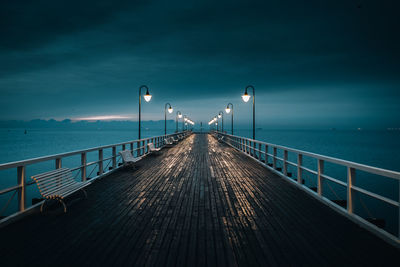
{"x":375,"y":148}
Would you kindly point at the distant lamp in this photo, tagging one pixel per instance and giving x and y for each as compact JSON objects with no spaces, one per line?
{"x":246,"y":96}
{"x":147,"y":96}
{"x":228,"y":110}
{"x":219,"y":116}
{"x":165,"y":115}
{"x":180,"y":115}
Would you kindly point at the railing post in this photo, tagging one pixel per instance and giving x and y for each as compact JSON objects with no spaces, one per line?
{"x":123,"y":147}
{"x":320,"y":172}
{"x":83,"y":166}
{"x":100,"y":161}
{"x":299,"y":169}
{"x":21,"y":189}
{"x":138,"y":149}
{"x":259,"y":152}
{"x":351,"y":176}
{"x":114,"y":159}
{"x":274,"y":158}
{"x":285,"y":158}
{"x":133,"y":154}
{"x":266,"y":154}
{"x":58,"y":163}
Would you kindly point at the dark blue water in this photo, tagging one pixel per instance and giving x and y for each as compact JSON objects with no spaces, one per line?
{"x":375,"y":148}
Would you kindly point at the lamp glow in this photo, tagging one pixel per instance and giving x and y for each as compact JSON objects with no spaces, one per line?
{"x":147,"y":96}
{"x":179,"y":116}
{"x":219,"y":116}
{"x":227,"y":110}
{"x":246,"y":97}
{"x":170,"y":109}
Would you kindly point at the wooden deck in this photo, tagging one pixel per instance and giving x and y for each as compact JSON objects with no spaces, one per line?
{"x":200,"y":203}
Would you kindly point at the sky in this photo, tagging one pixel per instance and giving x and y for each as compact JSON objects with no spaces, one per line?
{"x":313,"y":63}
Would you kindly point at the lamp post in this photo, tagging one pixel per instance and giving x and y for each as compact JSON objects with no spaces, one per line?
{"x":227,"y":110}
{"x":147,"y":98}
{"x":221,"y":115}
{"x":170,"y":109}
{"x":178,"y":116}
{"x":183,"y":123}
{"x":246,"y":97}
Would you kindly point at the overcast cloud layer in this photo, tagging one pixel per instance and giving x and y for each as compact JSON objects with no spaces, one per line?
{"x":323,"y":63}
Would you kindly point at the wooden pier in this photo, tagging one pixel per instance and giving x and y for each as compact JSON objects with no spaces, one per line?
{"x":200,"y":203}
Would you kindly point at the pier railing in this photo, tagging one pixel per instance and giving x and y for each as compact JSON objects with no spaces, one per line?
{"x":106,"y":159}
{"x":286,"y":161}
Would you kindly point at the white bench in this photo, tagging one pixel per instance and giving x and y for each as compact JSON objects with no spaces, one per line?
{"x":152,"y":149}
{"x":57,"y":185}
{"x":175,"y":140}
{"x":128,"y":158}
{"x":221,"y":138}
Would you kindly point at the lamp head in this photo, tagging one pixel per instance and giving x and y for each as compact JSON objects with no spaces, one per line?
{"x":179,"y":115}
{"x":219,"y":116}
{"x":147,"y":96}
{"x":170,"y":109}
{"x":227,"y":110}
{"x":246,"y":96}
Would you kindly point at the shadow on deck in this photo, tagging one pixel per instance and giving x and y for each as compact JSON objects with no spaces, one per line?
{"x":199,"y":203}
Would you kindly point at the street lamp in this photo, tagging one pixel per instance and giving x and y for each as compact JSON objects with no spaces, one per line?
{"x":227,"y":110}
{"x":183,"y":122}
{"x":170,"y":109}
{"x":147,"y":97}
{"x":178,"y":115}
{"x":246,"y":98}
{"x":221,"y":116}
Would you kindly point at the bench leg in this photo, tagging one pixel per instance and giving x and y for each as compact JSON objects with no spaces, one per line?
{"x":42,"y":206}
{"x":84,"y":192}
{"x":65,"y":206}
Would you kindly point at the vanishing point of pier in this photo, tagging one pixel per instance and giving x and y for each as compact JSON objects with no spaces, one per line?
{"x":199,"y":203}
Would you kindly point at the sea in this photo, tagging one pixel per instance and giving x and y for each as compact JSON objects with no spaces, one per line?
{"x":378,"y":148}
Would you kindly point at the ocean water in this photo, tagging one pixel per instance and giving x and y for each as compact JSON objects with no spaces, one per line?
{"x":375,"y":148}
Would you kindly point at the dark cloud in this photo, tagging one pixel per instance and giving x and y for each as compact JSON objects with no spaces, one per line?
{"x":194,"y":49}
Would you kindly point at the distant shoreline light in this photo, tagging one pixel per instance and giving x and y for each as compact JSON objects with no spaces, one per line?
{"x":104,"y":118}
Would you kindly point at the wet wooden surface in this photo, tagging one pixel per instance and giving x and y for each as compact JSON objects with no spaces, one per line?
{"x":199,"y":203}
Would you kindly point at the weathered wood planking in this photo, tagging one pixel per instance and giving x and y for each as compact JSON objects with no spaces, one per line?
{"x":199,"y":203}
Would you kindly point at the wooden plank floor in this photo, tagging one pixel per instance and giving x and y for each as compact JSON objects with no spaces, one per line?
{"x":200,"y":203}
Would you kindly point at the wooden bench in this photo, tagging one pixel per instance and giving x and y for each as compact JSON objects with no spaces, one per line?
{"x":168,"y":142}
{"x":57,"y":185}
{"x":152,"y":149}
{"x":128,"y":158}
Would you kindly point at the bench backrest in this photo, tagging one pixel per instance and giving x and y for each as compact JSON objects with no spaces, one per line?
{"x":54,"y":181}
{"x":151,"y":146}
{"x":127,"y":156}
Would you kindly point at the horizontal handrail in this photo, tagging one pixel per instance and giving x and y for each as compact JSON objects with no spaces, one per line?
{"x":359,"y":166}
{"x":254,"y":149}
{"x":14,"y":164}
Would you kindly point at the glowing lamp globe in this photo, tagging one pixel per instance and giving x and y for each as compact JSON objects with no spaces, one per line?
{"x":246,"y":97}
{"x":170,"y":109}
{"x":179,"y":116}
{"x":147,"y":96}
{"x":227,"y":110}
{"x":219,"y":115}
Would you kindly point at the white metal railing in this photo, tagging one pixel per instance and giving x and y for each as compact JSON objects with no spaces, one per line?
{"x":267,"y":154}
{"x":112,"y":162}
